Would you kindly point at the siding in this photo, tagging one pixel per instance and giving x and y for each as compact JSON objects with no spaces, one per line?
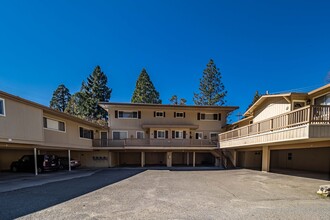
{"x":271,"y":108}
{"x":21,"y":123}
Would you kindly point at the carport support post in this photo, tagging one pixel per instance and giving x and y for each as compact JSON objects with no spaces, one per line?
{"x":169,"y":159}
{"x":69,"y":158}
{"x":265,"y":159}
{"x":143,"y":159}
{"x":35,"y":161}
{"x":194,"y":159}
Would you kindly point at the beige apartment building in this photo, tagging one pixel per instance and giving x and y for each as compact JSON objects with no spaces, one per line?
{"x":137,"y":135}
{"x":28,"y":128}
{"x":289,"y":131}
{"x":168,"y":135}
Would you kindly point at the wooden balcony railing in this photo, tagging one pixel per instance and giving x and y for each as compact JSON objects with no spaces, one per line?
{"x":154,"y":142}
{"x":307,"y":115}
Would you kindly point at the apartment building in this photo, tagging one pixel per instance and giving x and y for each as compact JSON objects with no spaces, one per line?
{"x":168,"y":135}
{"x":28,"y":128}
{"x":137,"y":135}
{"x":289,"y":131}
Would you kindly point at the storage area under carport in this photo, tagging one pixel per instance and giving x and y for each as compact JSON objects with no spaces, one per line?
{"x":155,"y":158}
{"x":305,"y":159}
{"x":204,"y":159}
{"x":129,"y":159}
{"x":249,"y":159}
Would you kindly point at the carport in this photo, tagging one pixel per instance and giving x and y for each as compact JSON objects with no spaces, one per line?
{"x":250,"y":159}
{"x":204,"y":159}
{"x":155,"y":158}
{"x":10,"y":154}
{"x":129,"y":159}
{"x":316,"y":160}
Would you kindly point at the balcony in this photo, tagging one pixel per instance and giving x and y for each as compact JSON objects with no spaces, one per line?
{"x":154,"y":143}
{"x":301,"y":124}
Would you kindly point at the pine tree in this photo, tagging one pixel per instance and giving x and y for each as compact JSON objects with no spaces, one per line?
{"x":255,"y":98}
{"x":76,"y":105}
{"x":60,"y":99}
{"x":145,"y":91}
{"x":95,"y":90}
{"x":174,"y":100}
{"x":211,"y":89}
{"x":183,"y":101}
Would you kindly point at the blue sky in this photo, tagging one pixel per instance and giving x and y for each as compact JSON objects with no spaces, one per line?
{"x":273,"y":45}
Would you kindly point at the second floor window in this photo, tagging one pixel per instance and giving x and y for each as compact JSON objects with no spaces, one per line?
{"x":54,"y":124}
{"x":209,"y":116}
{"x":2,"y":107}
{"x":179,"y":114}
{"x":128,"y":114}
{"x":86,"y":133}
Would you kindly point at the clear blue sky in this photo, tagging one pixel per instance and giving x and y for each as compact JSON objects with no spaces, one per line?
{"x":274,"y":45}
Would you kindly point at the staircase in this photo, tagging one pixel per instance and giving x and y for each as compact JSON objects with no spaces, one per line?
{"x":225,"y":158}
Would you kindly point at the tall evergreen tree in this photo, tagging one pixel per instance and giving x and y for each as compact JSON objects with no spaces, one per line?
{"x":145,"y":91}
{"x":95,"y":90}
{"x":183,"y":101}
{"x":174,"y":100}
{"x":211,"y":89}
{"x":76,"y":105}
{"x":60,"y":99}
{"x":255,"y":98}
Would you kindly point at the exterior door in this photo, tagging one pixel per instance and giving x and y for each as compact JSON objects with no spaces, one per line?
{"x":104,"y":138}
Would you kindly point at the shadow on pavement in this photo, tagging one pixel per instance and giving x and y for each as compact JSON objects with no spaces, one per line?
{"x":14,"y":204}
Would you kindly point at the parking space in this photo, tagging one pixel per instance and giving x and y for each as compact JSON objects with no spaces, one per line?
{"x":175,"y":194}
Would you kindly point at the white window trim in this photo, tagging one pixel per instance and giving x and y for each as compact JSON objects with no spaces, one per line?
{"x":122,"y":132}
{"x":208,"y":113}
{"x":86,"y":129}
{"x":161,"y":137}
{"x":160,"y":116}
{"x":175,"y":134}
{"x":137,"y":114}
{"x":4,"y":108}
{"x":199,"y":132}
{"x":176,"y":114}
{"x":51,"y":129}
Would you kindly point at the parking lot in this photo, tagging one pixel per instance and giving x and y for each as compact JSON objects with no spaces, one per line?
{"x":170,"y":194}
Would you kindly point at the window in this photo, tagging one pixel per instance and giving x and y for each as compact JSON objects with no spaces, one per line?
{"x":53,"y":124}
{"x":298,"y":104}
{"x":128,"y":114}
{"x":323,"y":100}
{"x":179,"y":114}
{"x":161,"y":134}
{"x":209,"y":116}
{"x":119,"y":135}
{"x":2,"y":107}
{"x":199,"y":135}
{"x":140,"y":135}
{"x":214,"y":136}
{"x":178,"y":134}
{"x":159,"y":114}
{"x":86,"y":133}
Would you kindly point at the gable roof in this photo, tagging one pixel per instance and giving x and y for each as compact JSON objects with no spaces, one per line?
{"x":161,"y":106}
{"x":49,"y":110}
